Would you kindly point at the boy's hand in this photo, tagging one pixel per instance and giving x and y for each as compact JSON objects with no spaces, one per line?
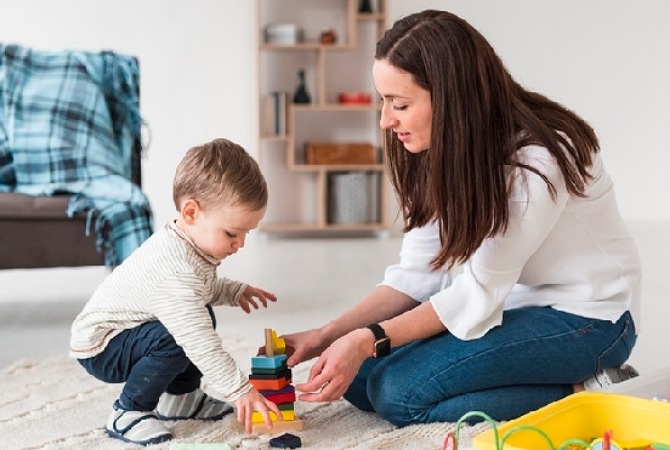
{"x":254,"y":401}
{"x":251,"y":296}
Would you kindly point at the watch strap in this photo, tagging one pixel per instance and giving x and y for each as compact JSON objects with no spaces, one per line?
{"x":382,"y":346}
{"x":377,"y":330}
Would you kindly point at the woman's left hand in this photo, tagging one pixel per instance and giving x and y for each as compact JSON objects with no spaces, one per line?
{"x":336,"y":368}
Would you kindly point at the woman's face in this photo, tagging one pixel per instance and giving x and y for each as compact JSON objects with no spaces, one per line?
{"x":406,"y":108}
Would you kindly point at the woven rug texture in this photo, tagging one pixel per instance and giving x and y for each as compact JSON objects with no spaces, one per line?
{"x":53,"y":404}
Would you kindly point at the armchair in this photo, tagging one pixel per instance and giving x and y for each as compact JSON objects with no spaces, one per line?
{"x":70,"y":159}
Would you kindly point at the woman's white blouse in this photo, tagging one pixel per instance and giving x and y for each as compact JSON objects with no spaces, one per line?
{"x":573,"y":254}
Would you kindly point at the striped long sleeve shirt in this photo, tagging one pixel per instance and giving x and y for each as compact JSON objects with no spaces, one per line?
{"x":169,"y":279}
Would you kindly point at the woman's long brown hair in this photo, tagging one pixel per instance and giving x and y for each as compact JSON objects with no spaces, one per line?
{"x":481,"y":117}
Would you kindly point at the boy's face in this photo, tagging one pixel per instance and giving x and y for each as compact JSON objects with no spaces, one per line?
{"x":221,"y":230}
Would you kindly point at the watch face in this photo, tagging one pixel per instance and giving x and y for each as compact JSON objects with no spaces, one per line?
{"x":382,"y":347}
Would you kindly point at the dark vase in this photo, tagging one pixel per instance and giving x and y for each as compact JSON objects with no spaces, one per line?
{"x":365,"y":6}
{"x":301,"y":95}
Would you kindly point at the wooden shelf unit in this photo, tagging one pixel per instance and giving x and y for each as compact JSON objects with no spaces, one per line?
{"x":301,"y":195}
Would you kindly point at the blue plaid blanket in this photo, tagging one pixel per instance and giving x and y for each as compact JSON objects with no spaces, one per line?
{"x":69,"y":122}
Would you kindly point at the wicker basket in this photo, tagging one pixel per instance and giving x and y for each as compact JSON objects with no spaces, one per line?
{"x":330,"y":153}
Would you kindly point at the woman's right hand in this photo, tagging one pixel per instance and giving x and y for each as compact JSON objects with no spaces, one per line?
{"x":305,"y":345}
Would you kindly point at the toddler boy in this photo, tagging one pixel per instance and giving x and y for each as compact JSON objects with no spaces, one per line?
{"x":150,"y":323}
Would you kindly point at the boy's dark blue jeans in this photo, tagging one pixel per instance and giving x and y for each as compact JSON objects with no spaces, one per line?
{"x":149,"y":361}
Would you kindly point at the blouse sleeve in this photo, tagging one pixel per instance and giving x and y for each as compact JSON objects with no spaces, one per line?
{"x":473,"y":304}
{"x":413,"y":275}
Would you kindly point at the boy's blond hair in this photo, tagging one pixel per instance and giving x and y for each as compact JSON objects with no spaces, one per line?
{"x":220,"y":172}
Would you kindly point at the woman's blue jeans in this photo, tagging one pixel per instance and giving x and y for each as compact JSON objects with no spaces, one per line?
{"x":532,"y":359}
{"x":149,"y":361}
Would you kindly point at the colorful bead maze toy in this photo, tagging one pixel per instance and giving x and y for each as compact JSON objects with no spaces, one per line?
{"x":272,"y":377}
{"x":578,"y":421}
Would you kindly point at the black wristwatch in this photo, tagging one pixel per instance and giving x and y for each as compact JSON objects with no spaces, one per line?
{"x":382,"y":342}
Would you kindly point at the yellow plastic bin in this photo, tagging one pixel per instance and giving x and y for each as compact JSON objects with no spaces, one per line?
{"x":585,"y":416}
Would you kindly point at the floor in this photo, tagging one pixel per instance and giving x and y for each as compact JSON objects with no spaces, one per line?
{"x":315,"y":279}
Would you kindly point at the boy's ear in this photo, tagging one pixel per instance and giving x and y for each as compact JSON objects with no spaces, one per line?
{"x":189,"y":209}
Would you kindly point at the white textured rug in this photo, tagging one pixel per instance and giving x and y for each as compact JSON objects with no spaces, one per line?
{"x":54,"y":404}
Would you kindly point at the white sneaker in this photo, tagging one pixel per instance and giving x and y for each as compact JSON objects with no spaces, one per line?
{"x":609,"y":376}
{"x":194,"y":405}
{"x":136,"y":427}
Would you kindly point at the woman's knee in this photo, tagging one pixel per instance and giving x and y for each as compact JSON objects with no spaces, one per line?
{"x":372,"y":391}
{"x":400,"y":390}
{"x":398,"y":413}
{"x":357,"y":394}
{"x":393,"y":400}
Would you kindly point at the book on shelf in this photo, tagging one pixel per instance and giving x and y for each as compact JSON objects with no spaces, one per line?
{"x":273,"y":113}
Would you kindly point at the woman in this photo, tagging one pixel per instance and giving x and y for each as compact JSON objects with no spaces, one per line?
{"x":509,"y":186}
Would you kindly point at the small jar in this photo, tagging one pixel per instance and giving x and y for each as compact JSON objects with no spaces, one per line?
{"x":328,"y":36}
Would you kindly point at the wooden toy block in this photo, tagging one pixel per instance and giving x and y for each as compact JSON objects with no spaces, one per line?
{"x":290,"y":389}
{"x":287,"y":415}
{"x":286,"y":373}
{"x":272,"y":385}
{"x":259,"y":371}
{"x":281,"y":426}
{"x":269,"y":348}
{"x":268,"y":362}
{"x":278,"y":343}
{"x":274,"y":345}
{"x":286,"y":440}
{"x":281,"y":399}
{"x":272,"y":377}
{"x":281,"y":396}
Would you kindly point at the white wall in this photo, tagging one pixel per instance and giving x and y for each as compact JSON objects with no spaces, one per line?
{"x":197,"y":67}
{"x":606,"y":59}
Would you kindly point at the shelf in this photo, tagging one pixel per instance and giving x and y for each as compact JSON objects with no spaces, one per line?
{"x":321,"y":198}
{"x":313,"y":227}
{"x":303,"y":46}
{"x":338,"y":168}
{"x":274,"y":137}
{"x":379,"y":17}
{"x":337,"y":107}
